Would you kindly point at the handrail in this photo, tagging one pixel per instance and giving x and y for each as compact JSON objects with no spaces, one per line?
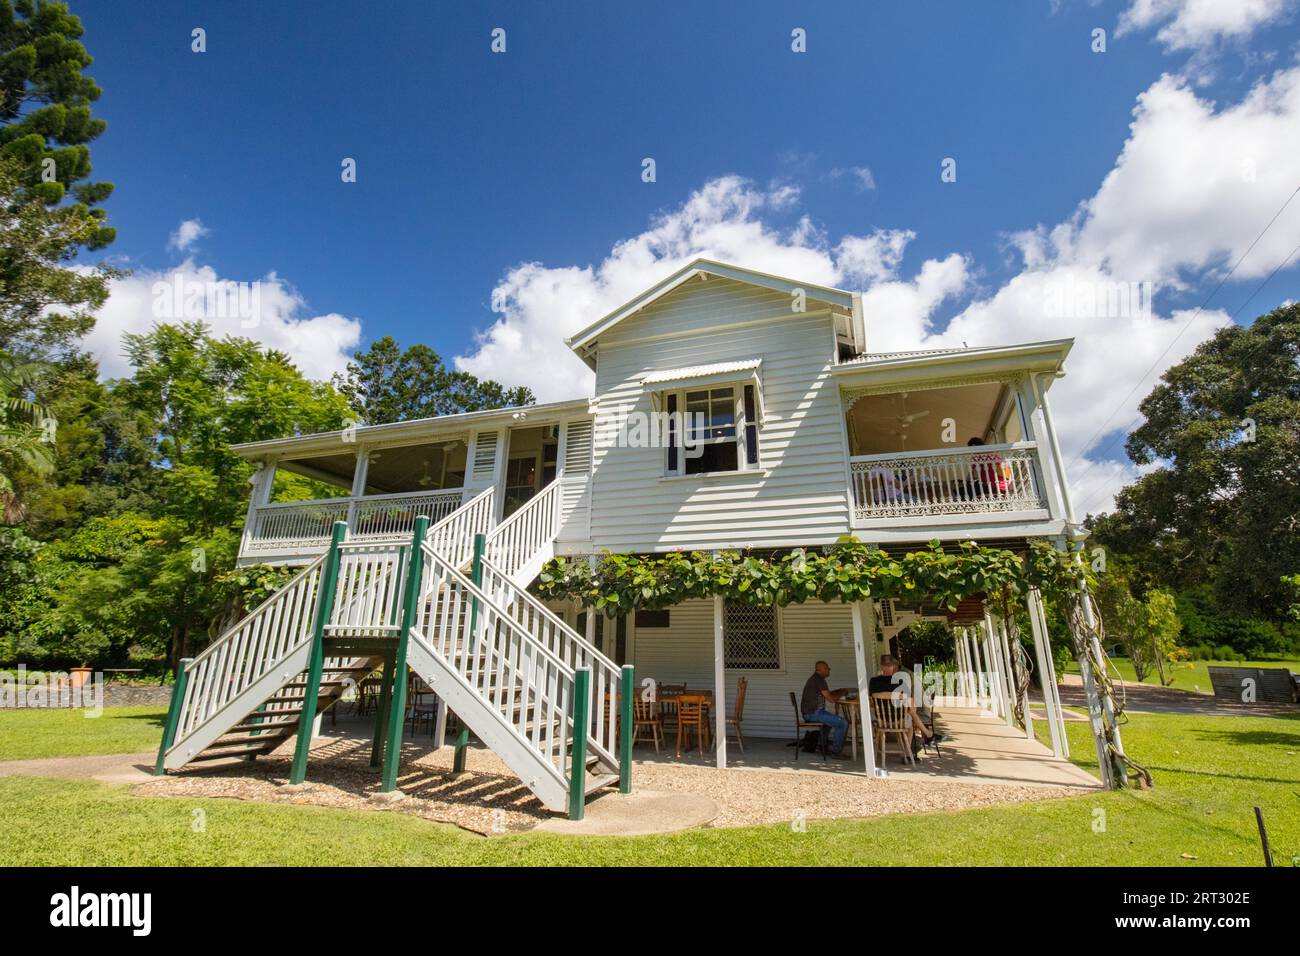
{"x":361,"y":499}
{"x":939,"y":452}
{"x":432,"y":582}
{"x":514,"y":542}
{"x":528,"y":686}
{"x":249,"y":650}
{"x":570,"y":646}
{"x":980,"y":479}
{"x":453,"y":536}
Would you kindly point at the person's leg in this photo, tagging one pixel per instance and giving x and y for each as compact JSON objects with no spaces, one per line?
{"x":918,"y":725}
{"x":837,"y":724}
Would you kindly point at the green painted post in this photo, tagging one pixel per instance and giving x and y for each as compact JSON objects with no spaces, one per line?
{"x":578,"y":755}
{"x":173,"y":713}
{"x":397,"y":703}
{"x":329,"y":579}
{"x":626,"y":690}
{"x":475,"y":575}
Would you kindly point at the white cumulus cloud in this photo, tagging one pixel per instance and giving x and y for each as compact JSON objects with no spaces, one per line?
{"x":1198,"y":24}
{"x":187,"y":233}
{"x":267,"y":310}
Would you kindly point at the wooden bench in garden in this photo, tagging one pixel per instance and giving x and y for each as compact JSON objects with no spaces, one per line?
{"x":1270,"y":685}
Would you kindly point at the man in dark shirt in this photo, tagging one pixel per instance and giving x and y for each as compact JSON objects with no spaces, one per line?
{"x":891,"y":681}
{"x":816,"y":695}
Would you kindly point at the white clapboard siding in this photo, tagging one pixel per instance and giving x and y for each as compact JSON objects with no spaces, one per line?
{"x":683,"y":651}
{"x":797,"y":497}
{"x":575,"y":481}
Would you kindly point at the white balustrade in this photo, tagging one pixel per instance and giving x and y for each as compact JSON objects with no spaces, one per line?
{"x":972,"y":480}
{"x":295,"y":527}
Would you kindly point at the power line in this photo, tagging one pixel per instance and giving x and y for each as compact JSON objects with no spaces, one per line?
{"x":1241,"y":308}
{"x":1138,"y":384}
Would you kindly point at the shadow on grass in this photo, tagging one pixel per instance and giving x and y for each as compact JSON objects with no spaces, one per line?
{"x":1252,"y":738}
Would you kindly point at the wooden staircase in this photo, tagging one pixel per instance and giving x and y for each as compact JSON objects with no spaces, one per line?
{"x":453,"y":606}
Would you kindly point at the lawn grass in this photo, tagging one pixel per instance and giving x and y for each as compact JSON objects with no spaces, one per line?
{"x":1209,"y":772}
{"x":1192,"y":676}
{"x":57,"y":732}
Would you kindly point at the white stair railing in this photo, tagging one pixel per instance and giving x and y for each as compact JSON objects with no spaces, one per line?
{"x":249,"y":650}
{"x":368,"y":595}
{"x":571,"y":648}
{"x":520,"y":681}
{"x":524,"y":541}
{"x":453,"y":537}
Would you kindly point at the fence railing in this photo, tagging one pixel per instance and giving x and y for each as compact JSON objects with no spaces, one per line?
{"x":972,"y":480}
{"x":295,"y":527}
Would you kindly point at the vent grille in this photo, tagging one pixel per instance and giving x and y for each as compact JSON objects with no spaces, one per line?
{"x":887,"y":613}
{"x":485,"y":456}
{"x":577,"y":450}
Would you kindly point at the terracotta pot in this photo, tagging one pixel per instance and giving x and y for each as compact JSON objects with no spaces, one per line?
{"x":79,"y":675}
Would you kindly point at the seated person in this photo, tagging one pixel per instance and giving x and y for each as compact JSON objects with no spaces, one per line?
{"x":817,"y":694}
{"x":989,"y":473}
{"x":891,"y":681}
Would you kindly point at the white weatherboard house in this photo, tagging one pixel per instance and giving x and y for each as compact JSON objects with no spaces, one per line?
{"x":789,"y":432}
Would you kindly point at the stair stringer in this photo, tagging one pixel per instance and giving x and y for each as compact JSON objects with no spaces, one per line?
{"x":488,"y":724}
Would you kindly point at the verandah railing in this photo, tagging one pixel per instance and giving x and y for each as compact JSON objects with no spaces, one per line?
{"x":971,"y":480}
{"x":304,"y":526}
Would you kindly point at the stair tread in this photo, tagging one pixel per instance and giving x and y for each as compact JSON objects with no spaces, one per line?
{"x":599,"y":781}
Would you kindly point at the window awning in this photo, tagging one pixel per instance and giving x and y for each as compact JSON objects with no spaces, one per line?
{"x":743,"y":372}
{"x":700,"y":375}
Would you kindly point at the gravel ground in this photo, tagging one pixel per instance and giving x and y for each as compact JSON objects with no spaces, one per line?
{"x":747,"y":797}
{"x":489,"y":799}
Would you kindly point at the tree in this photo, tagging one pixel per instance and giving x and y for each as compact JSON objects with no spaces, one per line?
{"x":385,"y":384}
{"x":149,"y":575}
{"x":1157,"y":629}
{"x":45,"y":119}
{"x":1221,"y":507}
{"x":24,"y":435}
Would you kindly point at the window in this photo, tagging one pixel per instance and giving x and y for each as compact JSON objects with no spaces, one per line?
{"x":652,"y":618}
{"x":751,"y":638}
{"x":716,"y":430}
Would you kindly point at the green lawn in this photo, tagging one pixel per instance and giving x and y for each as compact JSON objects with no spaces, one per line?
{"x":1209,"y":773}
{"x":25,"y":734}
{"x":1189,"y":675}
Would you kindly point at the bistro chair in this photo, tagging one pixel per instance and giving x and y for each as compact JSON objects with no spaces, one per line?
{"x":690,"y":716}
{"x":668,"y":708}
{"x":889,"y":716}
{"x":802,"y":727}
{"x":734,"y":719}
{"x":645,"y":719}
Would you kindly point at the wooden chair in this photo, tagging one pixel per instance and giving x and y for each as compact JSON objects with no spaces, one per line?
{"x":646,"y":718}
{"x":690,"y":716}
{"x":734,"y":719}
{"x":802,"y":726}
{"x":668,"y":708}
{"x":889,"y":716}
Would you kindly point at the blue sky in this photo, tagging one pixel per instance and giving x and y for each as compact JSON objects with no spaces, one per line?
{"x":470,"y":163}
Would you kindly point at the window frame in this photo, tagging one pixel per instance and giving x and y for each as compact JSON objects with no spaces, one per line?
{"x":747,"y":429}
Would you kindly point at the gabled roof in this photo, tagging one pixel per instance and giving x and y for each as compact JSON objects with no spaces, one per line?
{"x":584,"y":341}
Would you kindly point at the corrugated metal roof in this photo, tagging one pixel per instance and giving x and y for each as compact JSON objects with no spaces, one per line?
{"x":700,"y":371}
